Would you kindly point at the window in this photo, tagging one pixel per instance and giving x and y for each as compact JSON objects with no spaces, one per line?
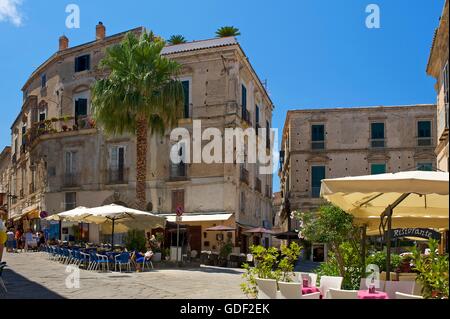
{"x":186,"y":91}
{"x":425,"y":167}
{"x":70,"y":170}
{"x":178,"y":170}
{"x":43,"y":80}
{"x":317,"y":175}
{"x":256,"y":119}
{"x":377,"y":134}
{"x":70,"y":200}
{"x":377,"y":169}
{"x":178,"y":201}
{"x":317,"y":137}
{"x":117,"y":164}
{"x":42,"y":116}
{"x":81,"y":109}
{"x":24,"y":132}
{"x":424,"y":133}
{"x":267,"y":135}
{"x":244,"y":99}
{"x":82,"y":63}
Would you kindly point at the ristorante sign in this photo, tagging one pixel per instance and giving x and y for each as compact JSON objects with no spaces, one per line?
{"x":415,"y":232}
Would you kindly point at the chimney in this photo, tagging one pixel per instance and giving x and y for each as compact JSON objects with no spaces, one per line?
{"x":100,"y":31}
{"x":63,"y":43}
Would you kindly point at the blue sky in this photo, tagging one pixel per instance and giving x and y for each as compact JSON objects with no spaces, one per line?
{"x":313,"y":53}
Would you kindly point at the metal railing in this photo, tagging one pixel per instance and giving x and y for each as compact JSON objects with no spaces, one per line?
{"x":424,"y":141}
{"x":178,"y":171}
{"x":377,"y":143}
{"x":117,"y":176}
{"x":71,"y":180}
{"x":317,"y":145}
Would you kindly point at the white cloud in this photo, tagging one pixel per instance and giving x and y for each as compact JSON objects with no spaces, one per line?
{"x":9,"y":11}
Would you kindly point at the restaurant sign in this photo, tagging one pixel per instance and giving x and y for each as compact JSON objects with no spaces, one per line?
{"x":415,"y":232}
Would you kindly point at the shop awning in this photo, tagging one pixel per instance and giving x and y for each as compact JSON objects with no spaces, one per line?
{"x":200,"y":217}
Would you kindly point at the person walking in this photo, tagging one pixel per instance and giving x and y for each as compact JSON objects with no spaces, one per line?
{"x":3,"y":237}
{"x":10,"y":241}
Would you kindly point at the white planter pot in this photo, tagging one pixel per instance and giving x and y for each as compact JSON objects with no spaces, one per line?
{"x":157,"y":257}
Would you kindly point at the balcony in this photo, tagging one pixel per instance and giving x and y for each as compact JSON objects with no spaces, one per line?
{"x":71,"y":180}
{"x":244,"y":175}
{"x":424,"y":141}
{"x":258,"y":185}
{"x":117,"y":176}
{"x":377,"y":143}
{"x":317,"y":145}
{"x":178,"y":171}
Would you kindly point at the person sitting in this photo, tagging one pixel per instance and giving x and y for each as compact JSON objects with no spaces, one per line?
{"x":139,"y":259}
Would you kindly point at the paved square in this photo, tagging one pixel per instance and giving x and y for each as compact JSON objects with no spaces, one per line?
{"x":32,"y":275}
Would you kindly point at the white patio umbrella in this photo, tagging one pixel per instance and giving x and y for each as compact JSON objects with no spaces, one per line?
{"x":413,"y":197}
{"x":118,"y":217}
{"x":70,"y":215}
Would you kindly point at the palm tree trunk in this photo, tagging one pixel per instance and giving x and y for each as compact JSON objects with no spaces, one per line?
{"x":141,"y":162}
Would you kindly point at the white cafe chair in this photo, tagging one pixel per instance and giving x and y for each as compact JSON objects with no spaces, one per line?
{"x":400,"y":295}
{"x":328,"y":282}
{"x":293,"y":290}
{"x":267,"y":288}
{"x":405,"y":287}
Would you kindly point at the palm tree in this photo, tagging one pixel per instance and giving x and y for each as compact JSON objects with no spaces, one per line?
{"x":176,"y":39}
{"x":227,"y":31}
{"x":141,"y":93}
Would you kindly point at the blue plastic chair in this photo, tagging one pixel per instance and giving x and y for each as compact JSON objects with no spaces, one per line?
{"x":122,"y":259}
{"x":140,"y":259}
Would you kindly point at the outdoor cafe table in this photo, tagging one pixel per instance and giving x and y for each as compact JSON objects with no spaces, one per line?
{"x":309,"y":290}
{"x":365,"y":294}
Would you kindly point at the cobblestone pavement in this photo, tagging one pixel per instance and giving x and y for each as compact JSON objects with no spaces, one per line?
{"x":33,"y":276}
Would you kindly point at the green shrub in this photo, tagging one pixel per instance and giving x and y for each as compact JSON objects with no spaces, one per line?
{"x":352,"y":261}
{"x":379,"y":258}
{"x":268,"y":266}
{"x":135,"y":240}
{"x":432,"y":272}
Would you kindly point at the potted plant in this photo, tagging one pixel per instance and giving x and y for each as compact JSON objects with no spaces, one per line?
{"x":54,"y":119}
{"x":166,"y":253}
{"x":64,"y":128}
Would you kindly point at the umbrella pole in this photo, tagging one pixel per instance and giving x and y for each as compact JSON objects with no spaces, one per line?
{"x":388,"y":244}
{"x":112,"y":236}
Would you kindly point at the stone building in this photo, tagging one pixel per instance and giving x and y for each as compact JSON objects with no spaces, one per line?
{"x":5,"y":159}
{"x":60,"y":159}
{"x":437,"y":67}
{"x":340,"y":142}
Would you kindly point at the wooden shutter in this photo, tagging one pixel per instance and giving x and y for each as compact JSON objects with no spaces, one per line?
{"x":177,"y":200}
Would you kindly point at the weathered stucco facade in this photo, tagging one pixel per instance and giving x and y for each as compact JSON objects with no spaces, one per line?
{"x":438,"y":68}
{"x":60,"y":159}
{"x":331,"y":143}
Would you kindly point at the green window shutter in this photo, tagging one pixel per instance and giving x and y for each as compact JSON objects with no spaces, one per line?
{"x":377,"y":130}
{"x":377,"y":169}
{"x":186,"y":98}
{"x":424,"y":128}
{"x":244,"y":100}
{"x":317,"y":175}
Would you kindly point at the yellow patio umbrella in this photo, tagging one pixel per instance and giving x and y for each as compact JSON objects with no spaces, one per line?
{"x":400,"y":199}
